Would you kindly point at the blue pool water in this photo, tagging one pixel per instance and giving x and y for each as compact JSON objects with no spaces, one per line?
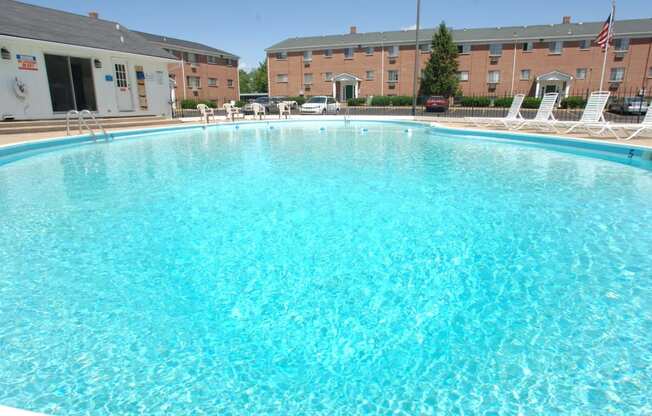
{"x":296,"y":271}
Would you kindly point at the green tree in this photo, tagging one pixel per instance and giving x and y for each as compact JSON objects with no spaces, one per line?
{"x":245,"y":81}
{"x":439,"y":77}
{"x":259,"y":78}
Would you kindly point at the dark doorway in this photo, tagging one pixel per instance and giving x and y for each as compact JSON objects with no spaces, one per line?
{"x":71,"y":83}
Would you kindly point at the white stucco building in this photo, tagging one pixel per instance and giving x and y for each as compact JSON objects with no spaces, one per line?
{"x":52,"y":62}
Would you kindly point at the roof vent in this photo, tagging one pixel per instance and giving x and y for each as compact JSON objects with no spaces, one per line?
{"x":93,"y":15}
{"x":353,"y":30}
{"x":566,"y":20}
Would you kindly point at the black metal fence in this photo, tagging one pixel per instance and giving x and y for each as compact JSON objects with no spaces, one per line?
{"x":625,"y":106}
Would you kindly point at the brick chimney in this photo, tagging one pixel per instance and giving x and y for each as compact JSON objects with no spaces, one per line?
{"x":93,"y":15}
{"x":353,"y":30}
{"x":566,"y":20}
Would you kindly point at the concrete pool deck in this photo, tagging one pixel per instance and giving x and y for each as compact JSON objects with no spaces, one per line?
{"x":640,"y":141}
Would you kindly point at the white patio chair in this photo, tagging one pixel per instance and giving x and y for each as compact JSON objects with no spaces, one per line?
{"x":206,"y":112}
{"x":284,"y":109}
{"x":592,"y":120}
{"x":232,"y":111}
{"x":258,"y":110}
{"x":513,"y":115}
{"x":544,"y":116}
{"x":646,"y":124}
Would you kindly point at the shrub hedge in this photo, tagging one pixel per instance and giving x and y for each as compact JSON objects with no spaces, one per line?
{"x":299,"y":99}
{"x":354,"y":102}
{"x":573,"y":102}
{"x":192,"y":104}
{"x":475,"y":101}
{"x":503,"y":102}
{"x":531,"y":102}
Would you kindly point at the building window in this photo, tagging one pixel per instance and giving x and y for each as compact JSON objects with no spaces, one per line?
{"x":585,"y":44}
{"x":370,"y":75}
{"x":281,"y":77}
{"x":307,"y":56}
{"x":229,"y":83}
{"x":5,"y":54}
{"x":463,"y":75}
{"x":328,"y":53}
{"x":212,"y":82}
{"x":348,"y":53}
{"x":97,"y":63}
{"x":621,"y":44}
{"x":580,"y":73}
{"x":528,"y":46}
{"x":191,"y":57}
{"x":369,"y":50}
{"x":307,"y":79}
{"x":211,"y":60}
{"x":493,"y":77}
{"x":392,"y":76}
{"x":556,"y":47}
{"x":496,"y":49}
{"x":525,"y":74}
{"x":392,"y":51}
{"x":281,"y":56}
{"x":617,"y":74}
{"x":193,"y":82}
{"x":464,"y":49}
{"x":425,"y":47}
{"x":328,"y":76}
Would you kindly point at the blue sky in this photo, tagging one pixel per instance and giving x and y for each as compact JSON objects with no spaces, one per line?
{"x":247,"y":27}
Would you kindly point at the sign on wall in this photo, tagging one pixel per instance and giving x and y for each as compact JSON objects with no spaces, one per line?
{"x":27,"y":62}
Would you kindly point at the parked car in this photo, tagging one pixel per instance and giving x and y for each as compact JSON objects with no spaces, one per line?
{"x":321,"y":104}
{"x":436,"y":103}
{"x":629,"y":105}
{"x":270,"y":104}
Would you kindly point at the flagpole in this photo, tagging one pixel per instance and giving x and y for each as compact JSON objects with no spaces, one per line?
{"x":606,"y":46}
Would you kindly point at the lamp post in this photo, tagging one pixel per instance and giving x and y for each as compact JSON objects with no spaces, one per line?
{"x":416,"y":62}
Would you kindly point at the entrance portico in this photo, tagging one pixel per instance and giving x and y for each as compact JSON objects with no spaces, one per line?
{"x":554,"y":81}
{"x":346,"y":86}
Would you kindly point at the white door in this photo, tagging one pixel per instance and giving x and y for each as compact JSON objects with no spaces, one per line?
{"x":122,"y":85}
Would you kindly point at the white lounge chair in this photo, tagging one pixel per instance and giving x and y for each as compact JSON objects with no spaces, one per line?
{"x":206,"y":112}
{"x":544,"y":115}
{"x":592,"y":119}
{"x":646,"y":124}
{"x":232,"y":111}
{"x":513,"y":115}
{"x":284,"y":109}
{"x":258,"y":109}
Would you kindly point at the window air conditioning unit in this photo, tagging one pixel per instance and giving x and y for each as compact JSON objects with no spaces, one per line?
{"x":494,"y":59}
{"x":620,"y":54}
{"x":392,"y":86}
{"x":306,"y":65}
{"x":194,"y":65}
{"x":392,"y":60}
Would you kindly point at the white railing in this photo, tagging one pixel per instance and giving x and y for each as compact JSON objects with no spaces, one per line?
{"x":81,"y":122}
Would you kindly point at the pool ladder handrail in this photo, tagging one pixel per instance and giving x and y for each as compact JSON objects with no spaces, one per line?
{"x":81,"y":121}
{"x":346,"y":116}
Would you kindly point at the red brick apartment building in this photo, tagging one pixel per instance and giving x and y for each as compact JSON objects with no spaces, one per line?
{"x":492,"y":61}
{"x":203,"y":72}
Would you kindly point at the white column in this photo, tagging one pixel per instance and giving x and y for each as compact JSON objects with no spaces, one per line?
{"x":355,"y":89}
{"x":536,"y":90}
{"x":334,"y":90}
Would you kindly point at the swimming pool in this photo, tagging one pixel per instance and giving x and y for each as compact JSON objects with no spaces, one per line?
{"x":324,"y":268}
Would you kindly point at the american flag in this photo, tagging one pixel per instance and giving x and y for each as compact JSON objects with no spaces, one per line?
{"x":605,"y":35}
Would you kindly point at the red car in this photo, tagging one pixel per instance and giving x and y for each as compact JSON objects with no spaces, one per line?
{"x":436,"y":103}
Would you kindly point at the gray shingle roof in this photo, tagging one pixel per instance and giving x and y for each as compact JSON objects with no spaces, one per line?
{"x":632,"y":28}
{"x":185,"y":45}
{"x":41,"y":23}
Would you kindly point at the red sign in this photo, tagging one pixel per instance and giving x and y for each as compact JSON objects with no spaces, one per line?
{"x":27,"y":62}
